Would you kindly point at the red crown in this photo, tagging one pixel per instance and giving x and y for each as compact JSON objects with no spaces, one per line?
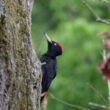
{"x":58,"y":44}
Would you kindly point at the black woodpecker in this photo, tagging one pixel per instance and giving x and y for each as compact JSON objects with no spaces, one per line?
{"x":49,"y":63}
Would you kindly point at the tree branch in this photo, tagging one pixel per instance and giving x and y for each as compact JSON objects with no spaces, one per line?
{"x":106,"y":1}
{"x":98,"y":19}
{"x":98,"y":105}
{"x":68,"y":104}
{"x":98,"y":92}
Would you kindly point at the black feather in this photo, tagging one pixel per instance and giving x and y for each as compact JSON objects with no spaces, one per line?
{"x":49,"y":64}
{"x":48,"y":71}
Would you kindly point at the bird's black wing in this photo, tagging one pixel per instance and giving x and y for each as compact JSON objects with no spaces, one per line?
{"x":48,"y":71}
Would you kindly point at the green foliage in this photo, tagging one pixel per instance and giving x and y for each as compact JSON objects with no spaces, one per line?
{"x":78,"y":65}
{"x":70,"y":23}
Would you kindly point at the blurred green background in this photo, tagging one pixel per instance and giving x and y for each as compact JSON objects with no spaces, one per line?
{"x":73,"y":25}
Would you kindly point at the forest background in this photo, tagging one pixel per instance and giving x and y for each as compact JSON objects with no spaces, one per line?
{"x":74,"y":26}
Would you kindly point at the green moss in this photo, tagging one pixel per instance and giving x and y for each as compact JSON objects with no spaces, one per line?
{"x":17,"y":52}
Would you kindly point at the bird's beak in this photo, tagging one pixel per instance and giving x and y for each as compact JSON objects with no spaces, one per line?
{"x":48,"y":38}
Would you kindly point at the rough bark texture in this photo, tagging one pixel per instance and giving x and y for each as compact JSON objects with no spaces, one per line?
{"x":20,"y":73}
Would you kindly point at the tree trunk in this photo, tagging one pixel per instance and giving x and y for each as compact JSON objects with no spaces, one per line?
{"x":20,"y":73}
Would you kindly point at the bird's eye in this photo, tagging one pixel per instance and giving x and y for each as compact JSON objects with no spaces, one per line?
{"x":55,"y":44}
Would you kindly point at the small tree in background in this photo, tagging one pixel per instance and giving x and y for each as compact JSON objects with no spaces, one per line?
{"x":104,"y":66}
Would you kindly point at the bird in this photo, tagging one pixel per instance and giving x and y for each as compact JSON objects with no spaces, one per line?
{"x":49,"y":67}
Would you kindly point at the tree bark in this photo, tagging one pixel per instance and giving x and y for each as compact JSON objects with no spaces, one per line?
{"x":20,"y":71}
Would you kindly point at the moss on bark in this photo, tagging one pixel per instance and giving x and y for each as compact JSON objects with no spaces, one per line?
{"x":19,"y":66}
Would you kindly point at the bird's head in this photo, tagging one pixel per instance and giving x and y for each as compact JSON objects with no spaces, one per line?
{"x":54,"y":48}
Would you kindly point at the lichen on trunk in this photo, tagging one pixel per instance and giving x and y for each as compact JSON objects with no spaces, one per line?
{"x":19,"y":65}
